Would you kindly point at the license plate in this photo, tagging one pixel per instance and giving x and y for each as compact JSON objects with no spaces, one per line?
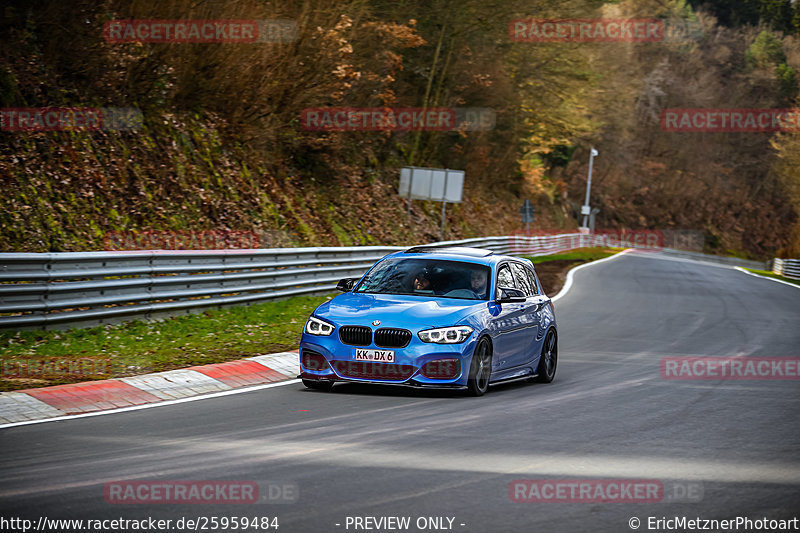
{"x":383,"y":356}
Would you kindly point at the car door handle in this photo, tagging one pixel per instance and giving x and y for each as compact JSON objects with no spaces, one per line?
{"x":540,"y":303}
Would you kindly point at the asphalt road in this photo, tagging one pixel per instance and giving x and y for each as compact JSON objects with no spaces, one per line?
{"x":364,"y":451}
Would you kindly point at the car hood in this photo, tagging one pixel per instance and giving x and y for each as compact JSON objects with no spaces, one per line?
{"x":397,"y":310}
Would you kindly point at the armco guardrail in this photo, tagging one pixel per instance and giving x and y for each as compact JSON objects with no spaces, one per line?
{"x":789,"y":268}
{"x":58,"y":290}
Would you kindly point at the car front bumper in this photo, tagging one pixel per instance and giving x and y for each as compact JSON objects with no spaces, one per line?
{"x":405,"y":370}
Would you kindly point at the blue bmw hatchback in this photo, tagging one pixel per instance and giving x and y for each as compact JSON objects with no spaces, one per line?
{"x":434,"y":317}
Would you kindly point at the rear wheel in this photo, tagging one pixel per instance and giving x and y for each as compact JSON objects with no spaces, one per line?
{"x":481,"y":369}
{"x":318,"y":384}
{"x":549,"y":359}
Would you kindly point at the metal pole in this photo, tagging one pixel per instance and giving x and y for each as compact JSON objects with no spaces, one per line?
{"x":589,"y":185}
{"x":410,"y":188}
{"x":444,"y":201}
{"x":444,"y":204}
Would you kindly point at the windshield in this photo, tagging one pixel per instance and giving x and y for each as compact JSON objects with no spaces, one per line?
{"x":428,"y":277}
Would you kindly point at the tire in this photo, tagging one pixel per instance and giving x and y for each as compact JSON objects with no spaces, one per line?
{"x":318,"y":385}
{"x":548,"y":361}
{"x":480,"y":370}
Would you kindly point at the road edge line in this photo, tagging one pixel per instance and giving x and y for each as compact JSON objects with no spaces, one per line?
{"x":571,"y":273}
{"x":740,"y":269}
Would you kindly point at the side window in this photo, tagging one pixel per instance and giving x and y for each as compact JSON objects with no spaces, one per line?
{"x":504,"y":278}
{"x":533,"y":280}
{"x":521,"y":275}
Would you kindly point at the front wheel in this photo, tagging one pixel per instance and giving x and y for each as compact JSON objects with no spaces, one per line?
{"x":481,"y":369}
{"x":318,"y":384}
{"x":549,"y":359}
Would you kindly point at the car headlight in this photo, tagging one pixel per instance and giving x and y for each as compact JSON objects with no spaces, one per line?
{"x":315,"y":326}
{"x":451,"y":335}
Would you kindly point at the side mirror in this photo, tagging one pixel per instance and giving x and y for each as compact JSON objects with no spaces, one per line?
{"x":346,"y":284}
{"x":509,"y":295}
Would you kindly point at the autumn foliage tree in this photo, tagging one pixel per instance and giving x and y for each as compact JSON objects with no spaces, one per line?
{"x":222,"y":145}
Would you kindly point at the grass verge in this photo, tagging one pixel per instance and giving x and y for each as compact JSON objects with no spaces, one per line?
{"x":583,"y":255}
{"x":41,"y":358}
{"x":768,"y":274}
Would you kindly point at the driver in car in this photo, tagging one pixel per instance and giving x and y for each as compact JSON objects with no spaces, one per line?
{"x":477,"y":281}
{"x":422,"y":282}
